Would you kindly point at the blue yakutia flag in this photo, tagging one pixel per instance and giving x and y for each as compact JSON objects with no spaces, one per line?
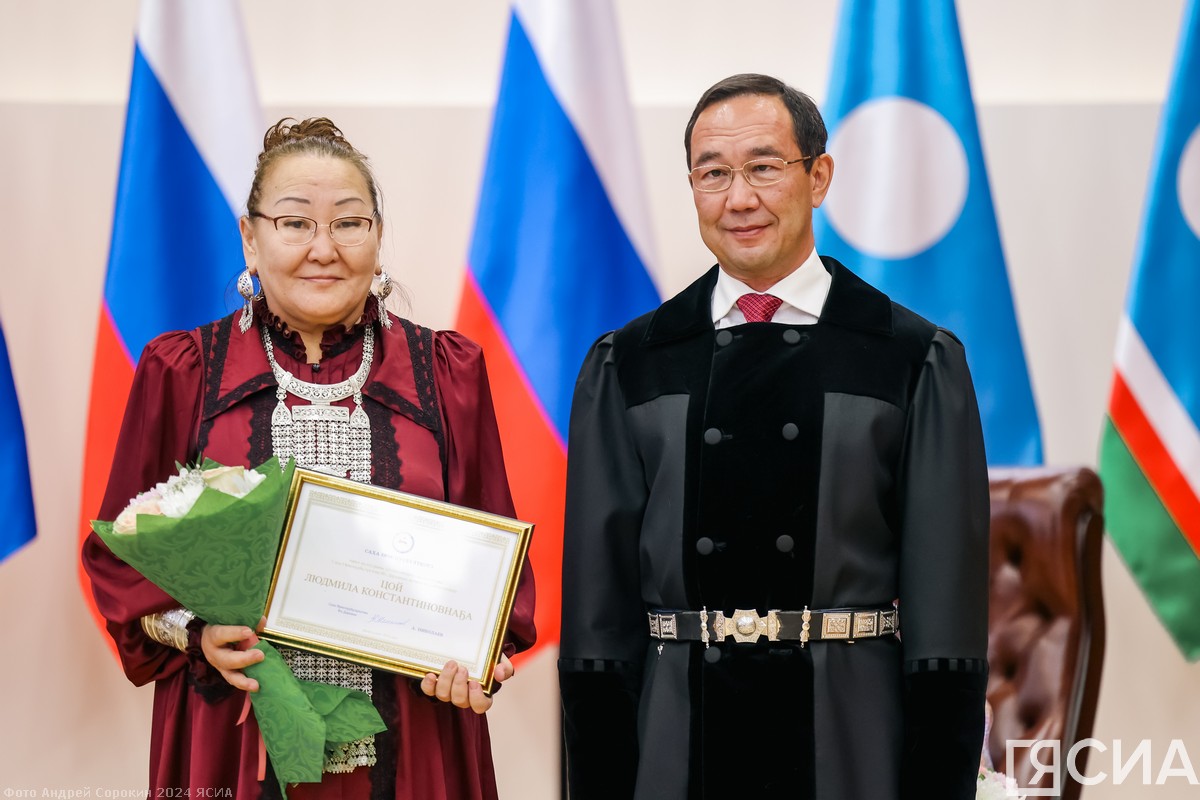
{"x":558,"y":255}
{"x":16,"y":495}
{"x":910,"y":209}
{"x":1150,"y":445}
{"x":193,"y":130}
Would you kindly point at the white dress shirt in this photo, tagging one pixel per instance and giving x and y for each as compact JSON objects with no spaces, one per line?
{"x":803,"y":294}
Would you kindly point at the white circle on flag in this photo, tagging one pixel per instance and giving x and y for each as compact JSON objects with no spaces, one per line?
{"x":900,"y":178}
{"x":1187,"y":182}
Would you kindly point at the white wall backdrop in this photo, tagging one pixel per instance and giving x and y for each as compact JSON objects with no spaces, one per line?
{"x":1068,"y":93}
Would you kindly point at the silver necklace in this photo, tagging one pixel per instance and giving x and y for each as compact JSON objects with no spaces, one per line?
{"x":329,"y":438}
{"x":322,"y":436}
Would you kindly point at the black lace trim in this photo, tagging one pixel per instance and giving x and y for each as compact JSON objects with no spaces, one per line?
{"x":269,"y":789}
{"x":204,"y":679}
{"x":420,"y":347}
{"x":427,"y":414}
{"x":334,"y":341}
{"x":255,"y":384}
{"x":386,"y":463}
{"x":214,"y":338}
{"x":406,"y":407}
{"x":383,"y":774}
{"x":385,"y":450}
{"x":261,"y":408}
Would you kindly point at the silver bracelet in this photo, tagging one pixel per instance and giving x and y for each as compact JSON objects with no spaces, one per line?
{"x":169,"y":627}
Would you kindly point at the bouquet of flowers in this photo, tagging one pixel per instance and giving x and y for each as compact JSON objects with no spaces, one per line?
{"x":994,"y":785}
{"x":208,"y":537}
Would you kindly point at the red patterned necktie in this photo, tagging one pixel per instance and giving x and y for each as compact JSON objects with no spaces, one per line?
{"x":759,"y":307}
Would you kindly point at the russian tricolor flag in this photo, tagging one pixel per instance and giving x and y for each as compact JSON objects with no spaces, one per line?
{"x":193,"y":130}
{"x":16,"y":495}
{"x":559,"y":251}
{"x":1150,"y":446}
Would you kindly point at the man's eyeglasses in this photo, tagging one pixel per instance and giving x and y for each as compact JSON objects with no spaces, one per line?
{"x":757,"y":172}
{"x":346,"y":231}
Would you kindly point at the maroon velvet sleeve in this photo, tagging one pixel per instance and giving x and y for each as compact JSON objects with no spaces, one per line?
{"x":475,"y":462}
{"x":157,"y":431}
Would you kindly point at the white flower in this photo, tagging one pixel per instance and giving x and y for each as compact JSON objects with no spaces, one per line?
{"x":994,"y":785}
{"x":175,"y":496}
{"x":144,"y":503}
{"x":235,"y":481}
{"x":180,"y":493}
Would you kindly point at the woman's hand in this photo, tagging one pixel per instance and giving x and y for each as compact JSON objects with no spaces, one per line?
{"x":452,"y":685}
{"x":227,"y":648}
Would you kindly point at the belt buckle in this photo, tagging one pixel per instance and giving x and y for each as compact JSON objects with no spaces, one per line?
{"x":835,"y":625}
{"x":747,"y":626}
{"x":866,"y":624}
{"x":662,"y":626}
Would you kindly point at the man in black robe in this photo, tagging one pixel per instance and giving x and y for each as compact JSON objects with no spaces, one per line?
{"x":775,"y":559}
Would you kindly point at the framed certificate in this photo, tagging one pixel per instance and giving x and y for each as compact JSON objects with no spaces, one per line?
{"x":392,"y":580}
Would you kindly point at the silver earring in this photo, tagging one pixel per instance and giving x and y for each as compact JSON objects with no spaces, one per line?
{"x":381,"y":292}
{"x":245,"y":287}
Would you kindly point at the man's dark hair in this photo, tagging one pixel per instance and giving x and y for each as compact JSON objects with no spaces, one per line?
{"x":807,"y":126}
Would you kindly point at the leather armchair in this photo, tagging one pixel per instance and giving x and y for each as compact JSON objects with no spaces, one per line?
{"x":1046,"y":618}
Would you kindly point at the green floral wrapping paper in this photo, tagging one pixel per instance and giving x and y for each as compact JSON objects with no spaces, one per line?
{"x":217,"y":561}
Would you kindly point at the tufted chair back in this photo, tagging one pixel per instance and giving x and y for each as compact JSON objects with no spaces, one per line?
{"x":1046,"y":619}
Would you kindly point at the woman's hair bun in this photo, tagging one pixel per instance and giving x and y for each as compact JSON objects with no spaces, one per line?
{"x":316,"y":136}
{"x":289,"y":130}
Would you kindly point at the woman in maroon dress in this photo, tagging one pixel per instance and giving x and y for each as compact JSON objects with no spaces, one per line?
{"x":418,"y":417}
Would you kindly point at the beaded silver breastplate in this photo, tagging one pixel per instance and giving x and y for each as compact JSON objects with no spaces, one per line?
{"x":328,"y":438}
{"x":322,"y":436}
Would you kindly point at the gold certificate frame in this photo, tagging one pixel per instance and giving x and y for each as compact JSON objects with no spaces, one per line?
{"x":392,"y":580}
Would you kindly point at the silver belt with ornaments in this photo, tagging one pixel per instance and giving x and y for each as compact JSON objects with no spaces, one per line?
{"x":835,"y":624}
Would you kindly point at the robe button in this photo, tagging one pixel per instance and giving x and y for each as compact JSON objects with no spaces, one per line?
{"x":791,"y":336}
{"x":724,"y":337}
{"x":784,"y":544}
{"x":790,"y":431}
{"x":704,"y":545}
{"x":712,"y":436}
{"x":712,"y":655}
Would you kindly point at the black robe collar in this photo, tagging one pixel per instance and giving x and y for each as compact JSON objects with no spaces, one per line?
{"x":852,"y":303}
